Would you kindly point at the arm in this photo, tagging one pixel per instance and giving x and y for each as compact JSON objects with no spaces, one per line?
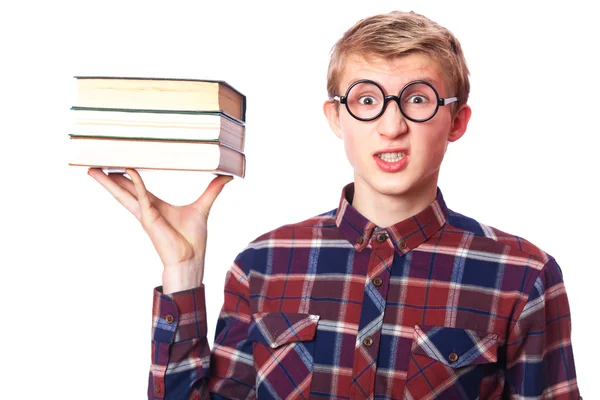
{"x":540,"y":357}
{"x":180,"y":351}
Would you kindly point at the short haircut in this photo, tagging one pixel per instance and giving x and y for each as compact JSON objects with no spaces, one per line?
{"x":389,"y":36}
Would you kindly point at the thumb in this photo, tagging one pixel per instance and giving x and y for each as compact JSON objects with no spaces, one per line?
{"x":205,"y":202}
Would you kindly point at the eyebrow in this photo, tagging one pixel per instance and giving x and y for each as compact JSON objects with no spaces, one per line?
{"x":427,"y":79}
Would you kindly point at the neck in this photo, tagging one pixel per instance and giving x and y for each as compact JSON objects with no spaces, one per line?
{"x":386,"y":210}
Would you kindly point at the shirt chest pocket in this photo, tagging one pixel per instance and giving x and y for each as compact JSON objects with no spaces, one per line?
{"x":449,"y":362}
{"x":283,"y":346}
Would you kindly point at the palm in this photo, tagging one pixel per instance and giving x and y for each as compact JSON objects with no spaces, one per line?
{"x":184,"y":229}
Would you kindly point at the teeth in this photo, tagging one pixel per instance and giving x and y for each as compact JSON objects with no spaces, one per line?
{"x":391,"y":157}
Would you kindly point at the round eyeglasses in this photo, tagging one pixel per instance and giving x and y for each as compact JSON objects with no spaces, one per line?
{"x":418,"y":101}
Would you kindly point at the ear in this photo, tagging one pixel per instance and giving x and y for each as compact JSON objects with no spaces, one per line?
{"x":459,"y":123}
{"x":331,"y":111}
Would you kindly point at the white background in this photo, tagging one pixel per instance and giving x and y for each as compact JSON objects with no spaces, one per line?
{"x":78,"y":271}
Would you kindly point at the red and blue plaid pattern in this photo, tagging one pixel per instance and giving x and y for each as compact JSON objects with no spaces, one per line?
{"x":437,"y":306}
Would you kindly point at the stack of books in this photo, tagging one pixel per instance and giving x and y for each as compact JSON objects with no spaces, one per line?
{"x":150,"y":123}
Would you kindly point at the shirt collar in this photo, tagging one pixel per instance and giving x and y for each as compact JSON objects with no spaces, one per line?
{"x":405,"y":235}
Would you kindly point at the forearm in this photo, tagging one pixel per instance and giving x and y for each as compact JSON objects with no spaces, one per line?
{"x":181,"y":354}
{"x":180,"y":351}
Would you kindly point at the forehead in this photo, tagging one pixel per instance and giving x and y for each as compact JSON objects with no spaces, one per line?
{"x":392,"y":75}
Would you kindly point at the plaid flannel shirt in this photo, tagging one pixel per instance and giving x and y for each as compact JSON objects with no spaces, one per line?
{"x":437,"y":306}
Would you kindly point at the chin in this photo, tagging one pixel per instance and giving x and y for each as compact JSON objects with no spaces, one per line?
{"x":392,"y":187}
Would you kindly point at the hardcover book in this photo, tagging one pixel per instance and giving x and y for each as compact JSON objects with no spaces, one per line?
{"x":155,"y":154}
{"x":158,"y":125}
{"x":160,"y":94}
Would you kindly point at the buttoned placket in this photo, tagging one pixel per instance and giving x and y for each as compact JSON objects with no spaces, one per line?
{"x":371,"y":319}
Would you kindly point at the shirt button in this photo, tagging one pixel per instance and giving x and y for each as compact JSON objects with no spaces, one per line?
{"x":403,"y":245}
{"x":169,"y":319}
{"x":377,"y":281}
{"x":360,"y":241}
{"x":382,"y":237}
{"x":453,"y":357}
{"x":368,"y":341}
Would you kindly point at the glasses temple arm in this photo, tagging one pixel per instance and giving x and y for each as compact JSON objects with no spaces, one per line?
{"x":448,"y":100}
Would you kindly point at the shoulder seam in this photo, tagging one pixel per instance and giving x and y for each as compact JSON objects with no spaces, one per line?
{"x":543,"y":260}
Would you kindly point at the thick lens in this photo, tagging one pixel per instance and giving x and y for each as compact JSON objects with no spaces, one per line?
{"x":418,"y":101}
{"x":365,"y":100}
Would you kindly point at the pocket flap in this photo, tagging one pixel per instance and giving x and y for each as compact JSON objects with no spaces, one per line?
{"x":276,"y":329}
{"x":455,"y":347}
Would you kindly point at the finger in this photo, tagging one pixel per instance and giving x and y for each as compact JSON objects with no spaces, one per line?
{"x":128,"y":185}
{"x":166,"y":239}
{"x":124,"y":182}
{"x":205,"y":202}
{"x":149,"y":213}
{"x":122,"y":195}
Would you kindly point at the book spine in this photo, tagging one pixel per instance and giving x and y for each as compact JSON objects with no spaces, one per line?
{"x":243,"y":110}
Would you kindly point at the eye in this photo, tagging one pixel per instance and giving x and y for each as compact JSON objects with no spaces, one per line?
{"x":417,"y":99}
{"x":367,"y":100}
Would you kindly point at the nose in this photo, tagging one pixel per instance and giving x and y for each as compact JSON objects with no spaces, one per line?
{"x":392,"y":123}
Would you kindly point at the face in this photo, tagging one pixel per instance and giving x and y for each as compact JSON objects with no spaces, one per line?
{"x":393,"y":156}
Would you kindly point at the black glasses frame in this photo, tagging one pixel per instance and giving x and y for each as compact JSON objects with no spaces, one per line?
{"x":439,"y":103}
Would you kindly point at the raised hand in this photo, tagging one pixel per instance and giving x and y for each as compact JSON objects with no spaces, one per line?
{"x":178,"y":233}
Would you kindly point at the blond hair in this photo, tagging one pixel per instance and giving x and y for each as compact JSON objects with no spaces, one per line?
{"x":388,"y":36}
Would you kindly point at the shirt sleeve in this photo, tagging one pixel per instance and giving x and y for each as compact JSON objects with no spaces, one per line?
{"x":539,"y":352}
{"x":183,"y":366}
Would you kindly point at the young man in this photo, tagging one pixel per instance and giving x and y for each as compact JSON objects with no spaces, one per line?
{"x":391,"y":295}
